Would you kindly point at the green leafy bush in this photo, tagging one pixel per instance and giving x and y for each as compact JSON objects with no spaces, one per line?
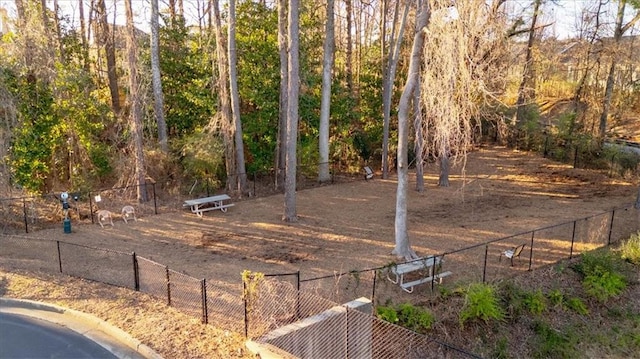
{"x":556,"y":298}
{"x":481,"y":302}
{"x":577,"y":305}
{"x":601,"y":275}
{"x":605,"y":285}
{"x":630,"y":249}
{"x":415,"y":318}
{"x":535,"y":302}
{"x":387,"y":314}
{"x":407,"y":316}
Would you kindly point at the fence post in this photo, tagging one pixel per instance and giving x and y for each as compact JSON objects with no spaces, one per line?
{"x":533,"y":233}
{"x":24,"y":211}
{"x":136,"y":273}
{"x":155,"y":203}
{"x":91,"y":207}
{"x":573,"y":237}
{"x":246,"y":309}
{"x":484,"y":269}
{"x":298,"y":294}
{"x":546,"y":147}
{"x":373,"y":290}
{"x":254,"y":184}
{"x":613,"y":213}
{"x":575,"y":158}
{"x":59,"y":257}
{"x":168,"y":286}
{"x":205,"y":314}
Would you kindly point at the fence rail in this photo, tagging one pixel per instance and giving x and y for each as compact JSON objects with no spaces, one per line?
{"x":284,"y":299}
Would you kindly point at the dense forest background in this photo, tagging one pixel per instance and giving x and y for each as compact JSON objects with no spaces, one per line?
{"x":107,"y":93}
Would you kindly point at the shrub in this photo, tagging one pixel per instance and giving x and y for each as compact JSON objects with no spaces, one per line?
{"x":556,"y":298}
{"x":577,"y":305}
{"x":552,"y":343}
{"x":630,"y":249}
{"x":535,"y":302}
{"x":596,"y":263}
{"x":482,"y":303}
{"x":604,"y":286}
{"x":387,"y":314}
{"x":601,"y":277}
{"x":415,"y":318}
{"x":407,"y":315}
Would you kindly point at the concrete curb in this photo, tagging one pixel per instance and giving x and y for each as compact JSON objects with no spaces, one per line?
{"x":114,"y":339}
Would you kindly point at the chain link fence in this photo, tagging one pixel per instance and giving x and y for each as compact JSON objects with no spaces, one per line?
{"x":34,"y":213}
{"x":286,"y":311}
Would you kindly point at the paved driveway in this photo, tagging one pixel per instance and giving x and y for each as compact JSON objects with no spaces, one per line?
{"x":27,"y":337}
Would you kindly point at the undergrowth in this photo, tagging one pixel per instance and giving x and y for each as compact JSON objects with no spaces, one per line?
{"x":569,"y":317}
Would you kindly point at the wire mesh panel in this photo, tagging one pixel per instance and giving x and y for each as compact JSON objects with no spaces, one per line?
{"x":390,"y":341}
{"x":508,"y":257}
{"x":102,"y":265}
{"x":343,"y":287}
{"x":463,"y":266}
{"x":225,"y":307}
{"x":273,"y":304}
{"x":186,"y":293}
{"x":591,"y":233}
{"x":552,"y":244}
{"x":323,"y":335}
{"x":626,"y":221}
{"x":29,"y":253}
{"x":12,"y":216}
{"x":152,"y":278}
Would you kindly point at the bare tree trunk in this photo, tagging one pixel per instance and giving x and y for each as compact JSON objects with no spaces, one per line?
{"x":106,"y":41}
{"x":403,"y":248}
{"x":617,"y":36}
{"x":592,"y":36}
{"x":387,"y":91}
{"x":172,"y":11}
{"x":290,"y":212}
{"x":83,"y":36}
{"x":349,"y":54}
{"x":28,"y":53}
{"x":136,"y":106}
{"x":56,"y":10}
{"x":443,"y":178}
{"x":224,"y":98}
{"x":526,"y":91}
{"x":158,"y":95}
{"x":281,"y":152}
{"x":325,"y":105}
{"x":419,"y":141}
{"x":235,"y":101}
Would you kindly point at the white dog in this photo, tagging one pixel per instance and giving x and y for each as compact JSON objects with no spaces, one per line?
{"x":127,"y":212}
{"x":104,"y":216}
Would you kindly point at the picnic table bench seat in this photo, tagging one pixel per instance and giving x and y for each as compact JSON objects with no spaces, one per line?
{"x":427,"y":263}
{"x":200,"y":205}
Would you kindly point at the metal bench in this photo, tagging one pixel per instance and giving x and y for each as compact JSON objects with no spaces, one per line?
{"x":200,"y":205}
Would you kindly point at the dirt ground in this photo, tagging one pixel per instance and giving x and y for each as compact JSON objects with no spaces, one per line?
{"x":350,"y":225}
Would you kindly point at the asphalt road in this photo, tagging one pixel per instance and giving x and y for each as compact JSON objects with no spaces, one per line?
{"x":37,"y":330}
{"x":27,"y":337}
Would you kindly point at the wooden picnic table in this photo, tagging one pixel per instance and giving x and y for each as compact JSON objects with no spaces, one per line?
{"x":200,"y":205}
